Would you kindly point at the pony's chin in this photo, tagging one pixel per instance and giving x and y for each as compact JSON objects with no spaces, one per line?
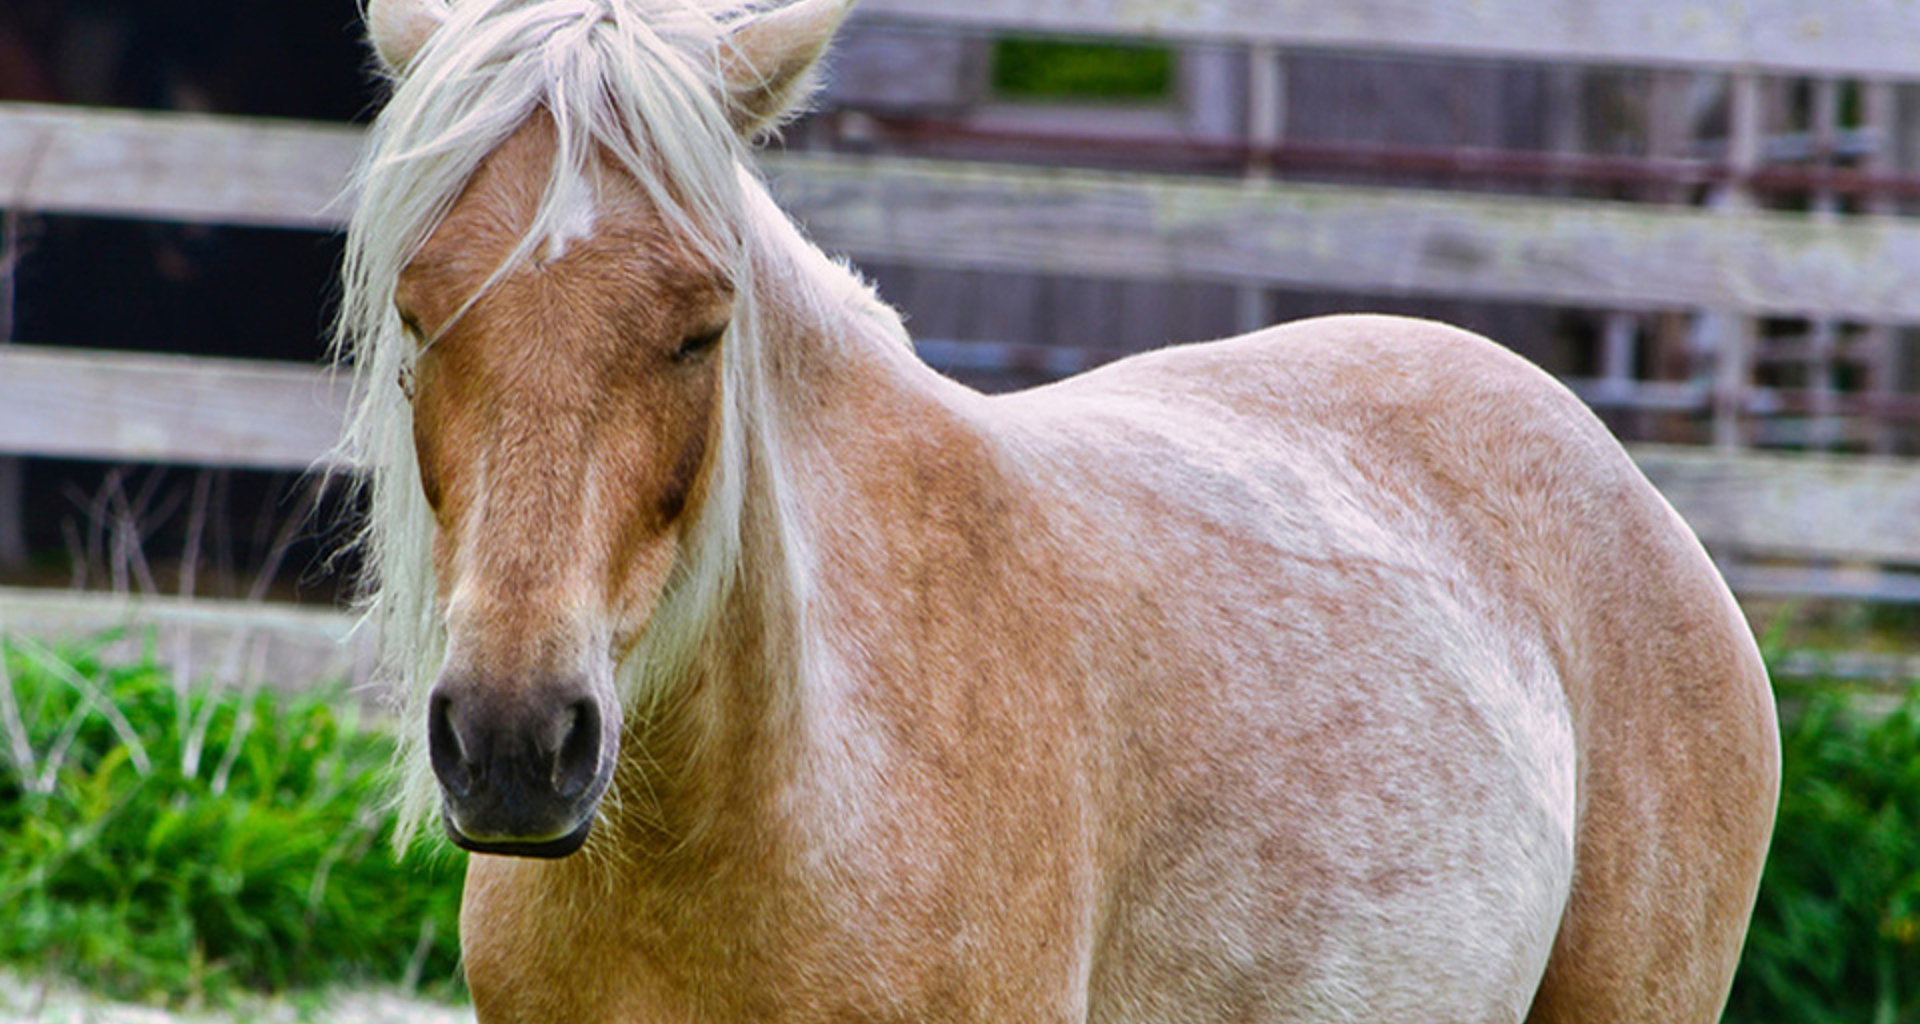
{"x":542,"y":849}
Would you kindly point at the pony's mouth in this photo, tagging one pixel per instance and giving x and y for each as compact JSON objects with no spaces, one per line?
{"x":543,"y":849}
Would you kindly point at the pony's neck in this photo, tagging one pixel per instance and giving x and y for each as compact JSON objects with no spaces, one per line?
{"x":823,"y":325}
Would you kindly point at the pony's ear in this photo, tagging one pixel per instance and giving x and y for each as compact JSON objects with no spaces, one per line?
{"x":769,"y":61}
{"x":398,"y":28}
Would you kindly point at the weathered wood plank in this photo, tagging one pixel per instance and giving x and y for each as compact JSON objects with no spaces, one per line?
{"x":1790,"y":505}
{"x":125,"y":407}
{"x":174,"y":167}
{"x":299,"y":647}
{"x":1364,"y":240}
{"x":217,"y":641}
{"x":1846,"y":38}
{"x":176,"y":409}
{"x":1821,"y":582}
{"x":975,"y":216}
{"x":1896,"y":671}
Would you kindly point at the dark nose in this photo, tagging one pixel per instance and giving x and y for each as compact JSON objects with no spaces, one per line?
{"x":521,"y":769}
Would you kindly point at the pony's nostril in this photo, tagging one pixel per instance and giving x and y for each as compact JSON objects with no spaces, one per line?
{"x":448,"y":755}
{"x":577,"y":764}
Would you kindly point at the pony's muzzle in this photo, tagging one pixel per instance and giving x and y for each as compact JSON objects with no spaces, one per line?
{"x":521,"y":771}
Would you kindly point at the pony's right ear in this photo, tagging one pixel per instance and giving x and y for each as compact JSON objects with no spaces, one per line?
{"x":399,"y":28}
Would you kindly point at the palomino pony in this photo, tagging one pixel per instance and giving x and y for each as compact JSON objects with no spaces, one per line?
{"x":1345,"y":671}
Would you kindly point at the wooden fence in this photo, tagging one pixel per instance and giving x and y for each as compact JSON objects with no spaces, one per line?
{"x":1864,"y":38}
{"x":1800,"y":107}
{"x":1783,"y":524}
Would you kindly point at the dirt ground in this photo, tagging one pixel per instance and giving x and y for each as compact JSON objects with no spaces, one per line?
{"x":35,"y":1001}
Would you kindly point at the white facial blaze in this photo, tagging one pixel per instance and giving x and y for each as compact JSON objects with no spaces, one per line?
{"x":574,"y":211}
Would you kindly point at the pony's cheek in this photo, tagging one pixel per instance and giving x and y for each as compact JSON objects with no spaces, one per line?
{"x":662,"y":501}
{"x":638,"y":590}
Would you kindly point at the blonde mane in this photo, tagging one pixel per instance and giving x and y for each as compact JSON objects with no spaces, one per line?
{"x":640,"y":83}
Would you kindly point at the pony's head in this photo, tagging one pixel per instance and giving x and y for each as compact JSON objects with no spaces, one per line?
{"x":549,"y":310}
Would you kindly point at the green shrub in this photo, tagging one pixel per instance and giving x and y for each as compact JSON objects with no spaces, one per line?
{"x":176,"y":848}
{"x":1051,"y":69}
{"x":1836,"y":934}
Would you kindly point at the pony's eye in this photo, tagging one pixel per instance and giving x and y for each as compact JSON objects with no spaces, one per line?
{"x":412,"y":327}
{"x":695,"y":344}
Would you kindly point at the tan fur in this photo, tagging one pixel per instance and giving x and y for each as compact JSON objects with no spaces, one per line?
{"x":1344,"y":671}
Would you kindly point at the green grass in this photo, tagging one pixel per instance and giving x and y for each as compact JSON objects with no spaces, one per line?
{"x":181,"y":849}
{"x":1036,"y":69}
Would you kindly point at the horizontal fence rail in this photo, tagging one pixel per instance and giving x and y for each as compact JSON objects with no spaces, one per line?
{"x":226,"y":642}
{"x":1861,"y":38}
{"x":127,"y":407}
{"x":208,"y":641}
{"x":1345,"y":238}
{"x":985,"y":216}
{"x":1856,"y":517}
{"x":174,"y":167}
{"x":1798,"y":525}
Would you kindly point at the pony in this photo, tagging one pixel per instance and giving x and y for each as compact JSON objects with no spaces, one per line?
{"x":1343,"y":671}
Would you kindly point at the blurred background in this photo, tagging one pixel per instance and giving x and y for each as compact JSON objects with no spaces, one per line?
{"x":1701,"y":217}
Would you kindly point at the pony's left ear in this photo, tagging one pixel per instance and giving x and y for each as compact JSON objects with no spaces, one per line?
{"x":770,"y":61}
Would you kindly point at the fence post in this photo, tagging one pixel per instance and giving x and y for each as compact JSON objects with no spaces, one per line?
{"x":1619,"y":353}
{"x":1733,"y":340}
{"x":1673,"y":133}
{"x":1880,"y":118}
{"x":13,"y":492}
{"x":1825,"y":429}
{"x":1266,"y":127}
